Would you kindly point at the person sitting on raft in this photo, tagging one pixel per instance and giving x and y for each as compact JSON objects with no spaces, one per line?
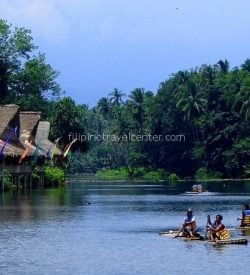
{"x":200,"y":188}
{"x":245,"y":220}
{"x":189,"y":226}
{"x":195,"y":188}
{"x":217,"y":230}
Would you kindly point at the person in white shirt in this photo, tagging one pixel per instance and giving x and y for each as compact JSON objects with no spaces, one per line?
{"x":188,"y":228}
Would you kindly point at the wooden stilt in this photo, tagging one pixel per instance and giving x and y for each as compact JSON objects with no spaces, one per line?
{"x":25,"y":181}
{"x":19,"y":182}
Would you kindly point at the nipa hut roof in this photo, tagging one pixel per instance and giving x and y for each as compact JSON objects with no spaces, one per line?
{"x":8,"y":118}
{"x":28,"y":125}
{"x":42,"y":138}
{"x":29,"y":129}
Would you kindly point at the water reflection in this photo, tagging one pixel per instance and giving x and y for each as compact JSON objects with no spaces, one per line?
{"x":211,"y":247}
{"x":245,"y":233}
{"x":173,"y":188}
{"x":28,"y":205}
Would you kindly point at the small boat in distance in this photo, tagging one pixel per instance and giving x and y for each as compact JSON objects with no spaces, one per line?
{"x":196,"y":189}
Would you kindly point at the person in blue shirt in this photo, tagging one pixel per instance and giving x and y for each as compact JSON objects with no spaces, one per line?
{"x":188,"y":228}
{"x":245,"y":220}
{"x":246,"y":211}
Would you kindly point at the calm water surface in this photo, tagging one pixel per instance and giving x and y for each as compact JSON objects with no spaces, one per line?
{"x":113,"y":228}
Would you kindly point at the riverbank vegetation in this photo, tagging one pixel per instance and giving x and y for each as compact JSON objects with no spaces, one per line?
{"x":196,"y":125}
{"x":138,"y":174}
{"x":208,"y":105}
{"x":55,"y":175}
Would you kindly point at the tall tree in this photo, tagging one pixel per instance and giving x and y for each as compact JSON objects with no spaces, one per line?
{"x":246,"y":65}
{"x":25,"y":79}
{"x":68,"y":121}
{"x":192,"y":103}
{"x":136,"y":104}
{"x":15,"y":47}
{"x":104,"y":107}
{"x":223,"y":66}
{"x":116,"y":97}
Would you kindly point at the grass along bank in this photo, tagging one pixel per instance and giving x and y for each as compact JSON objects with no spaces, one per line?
{"x":156,"y":175}
{"x":137,"y":174}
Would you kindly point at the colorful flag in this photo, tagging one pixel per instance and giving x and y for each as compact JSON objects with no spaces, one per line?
{"x":11,"y":133}
{"x":67,"y":148}
{"x":48,"y":152}
{"x":25,"y":152}
{"x":37,"y":150}
{"x":54,"y":148}
{"x":36,"y":154}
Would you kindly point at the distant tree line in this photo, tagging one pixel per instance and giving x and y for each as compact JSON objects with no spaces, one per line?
{"x":209,"y":105}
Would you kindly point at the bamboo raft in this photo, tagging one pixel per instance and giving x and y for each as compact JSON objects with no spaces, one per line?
{"x":241,"y":228}
{"x":172,"y":234}
{"x":231,"y":241}
{"x":194,"y":192}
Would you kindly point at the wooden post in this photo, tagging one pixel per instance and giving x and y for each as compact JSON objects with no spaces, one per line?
{"x":25,"y":181}
{"x":2,"y":181}
{"x":30,"y":181}
{"x":19,"y":181}
{"x":39,"y":182}
{"x":3,"y":174}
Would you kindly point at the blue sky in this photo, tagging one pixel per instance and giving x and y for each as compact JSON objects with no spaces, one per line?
{"x":99,"y":45}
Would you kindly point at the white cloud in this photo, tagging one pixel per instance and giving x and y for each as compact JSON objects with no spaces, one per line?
{"x":57,"y":21}
{"x":43,"y":17}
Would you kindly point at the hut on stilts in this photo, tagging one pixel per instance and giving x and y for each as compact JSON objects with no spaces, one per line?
{"x":24,"y":146}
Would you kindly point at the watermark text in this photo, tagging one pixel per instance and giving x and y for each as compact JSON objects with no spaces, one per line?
{"x":130,"y":137}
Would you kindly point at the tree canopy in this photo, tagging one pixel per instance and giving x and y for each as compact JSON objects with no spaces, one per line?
{"x":209,"y":105}
{"x":25,"y":77}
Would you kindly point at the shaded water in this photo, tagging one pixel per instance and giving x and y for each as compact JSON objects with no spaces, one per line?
{"x":113,"y":228}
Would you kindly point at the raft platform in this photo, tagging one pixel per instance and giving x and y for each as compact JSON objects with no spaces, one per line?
{"x":172,"y":234}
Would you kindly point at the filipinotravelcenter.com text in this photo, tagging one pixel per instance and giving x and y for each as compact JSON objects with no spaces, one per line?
{"x":125,"y":137}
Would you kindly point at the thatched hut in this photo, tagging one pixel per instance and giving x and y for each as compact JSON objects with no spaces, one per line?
{"x":27,"y":136}
{"x":9,"y":119}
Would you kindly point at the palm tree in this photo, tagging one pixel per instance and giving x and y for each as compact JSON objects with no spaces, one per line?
{"x":208,"y":74}
{"x":121,"y":125}
{"x":238,"y":92}
{"x":242,"y":101}
{"x":182,"y":77}
{"x":245,"y":107}
{"x":136,"y":102}
{"x":192,"y":103}
{"x":116,"y":97}
{"x":104,"y":107}
{"x":223,"y":66}
{"x":246,"y":65}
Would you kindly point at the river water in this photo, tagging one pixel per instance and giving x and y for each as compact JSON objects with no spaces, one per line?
{"x":113,"y":228}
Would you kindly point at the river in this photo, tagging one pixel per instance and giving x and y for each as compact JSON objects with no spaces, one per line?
{"x":113,"y":228}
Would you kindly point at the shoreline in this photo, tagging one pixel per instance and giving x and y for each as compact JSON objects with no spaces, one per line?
{"x":68,"y":179}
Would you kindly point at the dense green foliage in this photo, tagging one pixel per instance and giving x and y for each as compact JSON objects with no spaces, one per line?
{"x":7,"y":180}
{"x":209,"y":106}
{"x":54,"y":174}
{"x":67,"y":118}
{"x":139,"y":174}
{"x":197,"y":125}
{"x":25,"y":77}
{"x":112,"y":174}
